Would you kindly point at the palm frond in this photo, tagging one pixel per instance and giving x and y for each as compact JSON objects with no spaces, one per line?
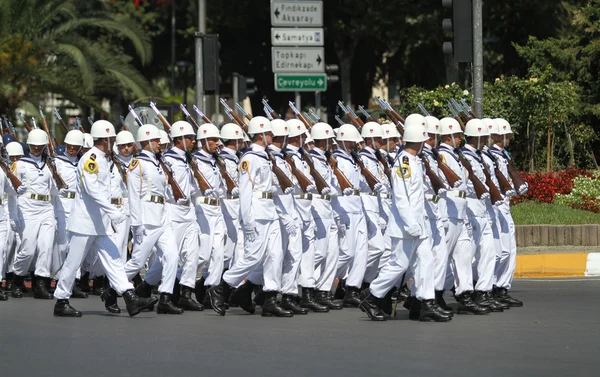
{"x":79,"y":58}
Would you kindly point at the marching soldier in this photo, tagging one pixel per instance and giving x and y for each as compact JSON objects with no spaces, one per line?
{"x":90,"y":224}
{"x":147,"y":187}
{"x":15,"y":152}
{"x":7,"y":221}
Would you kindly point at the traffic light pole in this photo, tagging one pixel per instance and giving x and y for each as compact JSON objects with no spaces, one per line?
{"x":478,"y":57}
{"x":200,"y":101}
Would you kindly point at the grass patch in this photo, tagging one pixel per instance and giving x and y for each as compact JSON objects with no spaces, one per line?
{"x":530,"y":213}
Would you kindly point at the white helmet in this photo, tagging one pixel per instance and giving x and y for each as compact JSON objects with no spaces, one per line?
{"x":280,"y":127}
{"x":450,"y":126}
{"x":164,"y":137}
{"x":14,"y":148}
{"x":389,"y":131}
{"x":415,"y":119}
{"x":124,"y":137}
{"x":88,"y":140}
{"x":296,"y":127}
{"x":74,"y":137}
{"x":259,"y":125}
{"x":37,"y":137}
{"x":476,"y":127}
{"x":181,"y":128}
{"x":147,"y":132}
{"x":433,"y":125}
{"x":372,"y":129}
{"x":348,"y":132}
{"x":415,"y":134}
{"x":231,"y":131}
{"x":207,"y":130}
{"x":246,"y":138}
{"x":102,"y":129}
{"x":492,"y":127}
{"x":321,"y":131}
{"x":503,"y":126}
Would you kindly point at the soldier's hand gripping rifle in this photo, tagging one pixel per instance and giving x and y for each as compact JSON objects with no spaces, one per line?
{"x":268,"y":108}
{"x":60,"y":183}
{"x":60,"y":120}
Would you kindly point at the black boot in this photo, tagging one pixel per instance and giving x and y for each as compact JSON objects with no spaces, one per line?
{"x":370,"y":305}
{"x":143,"y":290}
{"x":206,"y":302}
{"x":340,"y":291}
{"x":40,"y":291}
{"x":165,"y":305}
{"x":325,"y":298}
{"x":62,"y":308}
{"x":466,"y":305}
{"x":77,"y":292}
{"x":490,"y":297}
{"x":259,"y":295}
{"x":98,"y":286}
{"x":430,"y":312}
{"x":503,"y":296}
{"x":200,"y":290}
{"x":270,"y":307}
{"x":351,"y":300}
{"x":217,"y":297}
{"x":415,"y":308}
{"x":109,"y":297}
{"x":439,"y":299}
{"x":288,"y":303}
{"x":137,"y":280}
{"x":242,"y":296}
{"x":386,"y":304}
{"x":176,"y":293}
{"x":186,"y":302}
{"x":308,"y":301}
{"x":3,"y":296}
{"x":135,"y":304}
{"x":364,"y":291}
{"x":403,"y":293}
{"x":481,"y":299}
{"x":84,"y":283}
{"x":408,"y":302}
{"x":13,"y":286}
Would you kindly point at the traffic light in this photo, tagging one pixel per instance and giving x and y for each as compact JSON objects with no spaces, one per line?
{"x":211,"y":63}
{"x":461,"y":27}
{"x":244,"y":85}
{"x":330,"y":69}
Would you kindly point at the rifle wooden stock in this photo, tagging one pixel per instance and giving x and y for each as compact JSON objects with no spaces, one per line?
{"x":177,"y":192}
{"x":515,"y":176}
{"x":495,"y":194}
{"x":387,"y":169}
{"x":249,"y":117}
{"x":16,"y":183}
{"x":369,"y":177}
{"x":304,"y":120}
{"x":472,"y":115}
{"x":450,"y":175}
{"x":200,"y":178}
{"x":460,"y":121}
{"x":27,"y":126}
{"x":64,"y":126}
{"x":229,"y":182}
{"x":60,"y":183}
{"x":342,"y":179}
{"x":164,"y":121}
{"x":478,"y":186}
{"x":122,"y":171}
{"x":358,"y":123}
{"x":240,"y":122}
{"x":193,"y":122}
{"x":303,"y":180}
{"x":396,"y":120}
{"x":284,"y":180}
{"x":274,"y":114}
{"x":436,"y":182}
{"x":505,"y":186}
{"x":51,"y":141}
{"x":319,"y":180}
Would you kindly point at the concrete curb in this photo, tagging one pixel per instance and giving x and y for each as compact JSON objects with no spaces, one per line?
{"x":558,"y":235}
{"x":558,"y":265}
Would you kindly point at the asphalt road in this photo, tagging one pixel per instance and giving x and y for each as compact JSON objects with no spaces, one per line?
{"x":556,"y":333}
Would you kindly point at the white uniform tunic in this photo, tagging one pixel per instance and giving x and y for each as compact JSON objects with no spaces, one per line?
{"x":258,"y":213}
{"x":90,"y":225}
{"x":35,"y":206}
{"x":8,"y":210}
{"x":230,"y":207}
{"x":67,"y":169}
{"x":147,"y":187}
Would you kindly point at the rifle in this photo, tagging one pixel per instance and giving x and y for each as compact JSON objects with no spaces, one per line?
{"x":202,"y":115}
{"x":514,"y":175}
{"x":315,"y":115}
{"x":190,"y":118}
{"x":366,"y":114}
{"x":495,"y":194}
{"x":372,"y":181}
{"x":25,"y":124}
{"x":436,"y":182}
{"x":229,"y":182}
{"x":60,"y":119}
{"x":309,"y":118}
{"x":357,"y":122}
{"x":339,"y":120}
{"x":478,"y":186}
{"x":16,"y":183}
{"x":233,"y":114}
{"x":342,"y":179}
{"x":52,"y":142}
{"x":455,"y":113}
{"x":126,"y":128}
{"x":270,"y":109}
{"x":460,"y":114}
{"x":241,"y":109}
{"x":60,"y":183}
{"x":505,"y":186}
{"x":12,"y":130}
{"x":303,"y":180}
{"x":392,"y":115}
{"x":267,"y":113}
{"x":78,"y":123}
{"x":468,"y":108}
{"x":6,"y":126}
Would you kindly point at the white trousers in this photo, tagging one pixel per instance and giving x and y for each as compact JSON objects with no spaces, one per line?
{"x":264,"y":255}
{"x":375,"y":246}
{"x":460,"y":271}
{"x":62,"y":242}
{"x":353,"y":250}
{"x":505,"y":266}
{"x":440,"y":252}
{"x":307,"y":263}
{"x":407,"y":253}
{"x":92,"y":262}
{"x":234,"y":244}
{"x":327,"y":246}
{"x":165,"y":267}
{"x":484,"y":252}
{"x":292,"y":249}
{"x":12,"y":245}
{"x":187,"y":236}
{"x":109,"y":257}
{"x":3,"y":246}
{"x":38,"y":236}
{"x":212,"y":238}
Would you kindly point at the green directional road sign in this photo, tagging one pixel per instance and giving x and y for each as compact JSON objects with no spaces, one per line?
{"x":300,"y":82}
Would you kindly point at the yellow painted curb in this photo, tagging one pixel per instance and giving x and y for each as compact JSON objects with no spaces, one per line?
{"x":551,"y":265}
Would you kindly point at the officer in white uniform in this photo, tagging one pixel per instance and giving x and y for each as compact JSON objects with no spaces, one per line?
{"x":262,"y":234}
{"x":483,"y":240}
{"x":38,"y":223}
{"x":91,"y":222}
{"x":353,"y":243}
{"x":458,"y":233}
{"x":147,"y":187}
{"x":15,"y":152}
{"x":411,"y":242}
{"x":505,"y":266}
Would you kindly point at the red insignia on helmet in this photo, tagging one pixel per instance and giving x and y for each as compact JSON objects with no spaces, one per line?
{"x":237,"y":132}
{"x":262,"y":125}
{"x":181,"y":128}
{"x":450,"y":126}
{"x":108,"y":130}
{"x":147,"y":133}
{"x":341,"y":134}
{"x":479,"y":129}
{"x":204,"y":131}
{"x":387,"y":131}
{"x":504,"y":127}
{"x":327,"y":132}
{"x":285,"y":128}
{"x":370,"y":130}
{"x":437,"y":126}
{"x":423,"y":124}
{"x":299,"y":127}
{"x":424,"y":133}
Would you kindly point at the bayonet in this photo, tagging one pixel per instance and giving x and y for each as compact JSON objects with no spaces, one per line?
{"x":423,"y":110}
{"x":135,"y":116}
{"x":267,"y":113}
{"x":339,"y":120}
{"x":315,"y":115}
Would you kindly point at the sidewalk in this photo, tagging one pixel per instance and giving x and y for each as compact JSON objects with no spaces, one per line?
{"x":558,"y":261}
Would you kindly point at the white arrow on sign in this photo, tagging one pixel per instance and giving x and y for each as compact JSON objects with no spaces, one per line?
{"x":281,"y":36}
{"x":297,"y":59}
{"x":296,"y":13}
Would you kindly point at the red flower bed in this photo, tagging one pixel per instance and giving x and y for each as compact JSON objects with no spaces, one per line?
{"x":543,"y":186}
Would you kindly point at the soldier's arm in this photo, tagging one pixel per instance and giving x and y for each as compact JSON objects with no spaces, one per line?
{"x":89,"y":184}
{"x":247,"y":174}
{"x":134,"y":188}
